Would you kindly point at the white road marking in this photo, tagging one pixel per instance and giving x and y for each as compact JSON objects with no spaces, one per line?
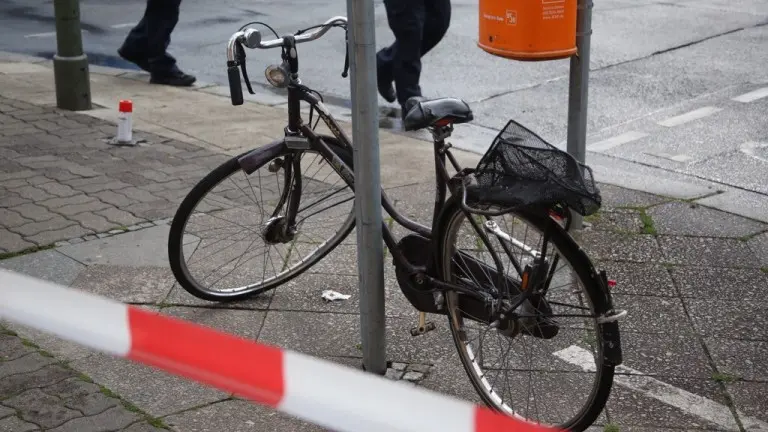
{"x":123,"y":25}
{"x":690,"y":116}
{"x":690,"y":403}
{"x":749,"y":148}
{"x":752,"y":96}
{"x":616,"y":141}
{"x":49,"y":34}
{"x":675,"y":158}
{"x":40,"y":35}
{"x":681,"y":158}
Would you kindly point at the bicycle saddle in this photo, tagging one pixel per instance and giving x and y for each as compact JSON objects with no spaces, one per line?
{"x":422,"y":113}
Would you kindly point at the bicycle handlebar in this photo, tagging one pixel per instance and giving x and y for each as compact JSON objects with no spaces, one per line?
{"x":251,"y":38}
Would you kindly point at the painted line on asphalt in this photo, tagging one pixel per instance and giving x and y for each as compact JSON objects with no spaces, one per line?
{"x":685,"y":401}
{"x":40,"y":35}
{"x":749,"y":148}
{"x":752,"y":96}
{"x":674,"y":158}
{"x":681,"y":158}
{"x":616,"y":141}
{"x":49,"y":34}
{"x":123,"y":25}
{"x":690,"y":116}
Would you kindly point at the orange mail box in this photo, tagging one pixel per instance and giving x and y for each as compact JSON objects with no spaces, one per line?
{"x":528,"y":29}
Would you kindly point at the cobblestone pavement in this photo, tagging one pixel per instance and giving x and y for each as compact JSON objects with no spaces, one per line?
{"x":39,"y":393}
{"x":60,"y":180}
{"x":692,"y":278}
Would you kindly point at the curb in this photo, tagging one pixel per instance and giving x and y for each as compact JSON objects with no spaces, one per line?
{"x":609,"y":170}
{"x":112,"y":233}
{"x":263,"y":95}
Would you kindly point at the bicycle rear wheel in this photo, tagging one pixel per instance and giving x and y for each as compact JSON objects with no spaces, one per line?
{"x":557,"y":344}
{"x":226,"y":241}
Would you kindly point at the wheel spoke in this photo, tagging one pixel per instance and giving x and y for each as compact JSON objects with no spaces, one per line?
{"x":219,"y":251}
{"x":511,"y":367}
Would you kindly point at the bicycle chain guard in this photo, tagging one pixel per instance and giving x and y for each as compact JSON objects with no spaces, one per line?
{"x":416,"y":250}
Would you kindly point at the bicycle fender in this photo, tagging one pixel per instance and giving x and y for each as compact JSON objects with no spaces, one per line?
{"x":612,"y":353}
{"x":252,"y":160}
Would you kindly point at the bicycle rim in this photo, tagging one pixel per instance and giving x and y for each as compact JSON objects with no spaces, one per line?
{"x":211,"y":232}
{"x":503,"y":362}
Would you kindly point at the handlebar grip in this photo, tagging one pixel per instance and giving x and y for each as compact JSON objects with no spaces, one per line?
{"x":235,"y":88}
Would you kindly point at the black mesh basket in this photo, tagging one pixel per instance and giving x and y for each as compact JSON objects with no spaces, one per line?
{"x":520,"y":169}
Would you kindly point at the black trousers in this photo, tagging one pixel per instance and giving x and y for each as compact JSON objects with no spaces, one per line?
{"x":418,"y":26}
{"x":150,"y":38}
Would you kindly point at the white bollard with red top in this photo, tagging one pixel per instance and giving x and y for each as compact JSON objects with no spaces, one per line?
{"x":124,"y":135}
{"x":125,"y":122}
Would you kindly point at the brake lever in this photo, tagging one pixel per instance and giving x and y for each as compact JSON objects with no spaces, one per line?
{"x":345,"y":73}
{"x":240,"y":56}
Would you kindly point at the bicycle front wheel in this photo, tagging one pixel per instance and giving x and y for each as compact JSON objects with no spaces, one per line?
{"x":544,"y":363}
{"x":227,"y":241}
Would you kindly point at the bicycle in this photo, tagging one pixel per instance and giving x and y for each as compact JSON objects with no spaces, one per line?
{"x":520,"y":177}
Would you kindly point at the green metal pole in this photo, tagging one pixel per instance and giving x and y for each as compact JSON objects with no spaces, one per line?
{"x":70,"y":65}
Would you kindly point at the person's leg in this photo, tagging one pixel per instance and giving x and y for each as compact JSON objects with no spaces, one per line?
{"x":384,"y":59}
{"x":162,"y":17}
{"x":438,"y":13}
{"x":134,"y":47}
{"x":406,"y":19}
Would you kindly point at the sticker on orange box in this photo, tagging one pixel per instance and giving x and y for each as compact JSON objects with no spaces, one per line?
{"x":511,"y":17}
{"x":553,"y":9}
{"x":550,"y":12}
{"x":493,"y":17}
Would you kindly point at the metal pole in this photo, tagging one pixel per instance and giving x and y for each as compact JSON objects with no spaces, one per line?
{"x":70,"y":65}
{"x":578,"y":91}
{"x":365,"y":133}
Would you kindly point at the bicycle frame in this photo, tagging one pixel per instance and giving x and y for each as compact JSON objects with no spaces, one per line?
{"x":316,"y":142}
{"x":301,"y":136}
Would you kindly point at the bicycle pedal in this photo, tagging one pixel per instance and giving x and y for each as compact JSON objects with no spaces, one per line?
{"x":611,"y":316}
{"x":420,"y":330}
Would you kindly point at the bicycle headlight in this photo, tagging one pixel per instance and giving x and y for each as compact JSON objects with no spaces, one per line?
{"x":277,"y":76}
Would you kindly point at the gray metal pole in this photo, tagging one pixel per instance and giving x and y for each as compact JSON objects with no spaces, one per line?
{"x":365,"y":133}
{"x":578,"y":91}
{"x":70,"y":65}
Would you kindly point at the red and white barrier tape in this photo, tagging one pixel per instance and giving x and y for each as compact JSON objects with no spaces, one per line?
{"x":319,"y":391}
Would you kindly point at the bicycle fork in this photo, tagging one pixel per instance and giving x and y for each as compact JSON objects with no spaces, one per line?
{"x":282,"y":229}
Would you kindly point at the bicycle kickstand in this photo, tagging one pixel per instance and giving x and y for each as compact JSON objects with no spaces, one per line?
{"x":423,"y":326}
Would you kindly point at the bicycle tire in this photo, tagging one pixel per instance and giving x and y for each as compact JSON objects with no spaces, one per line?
{"x":199,"y":191}
{"x":582,"y":266}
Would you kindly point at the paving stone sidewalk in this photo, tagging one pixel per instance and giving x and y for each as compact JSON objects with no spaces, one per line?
{"x":693,"y":280}
{"x":39,"y":393}
{"x":60,"y":180}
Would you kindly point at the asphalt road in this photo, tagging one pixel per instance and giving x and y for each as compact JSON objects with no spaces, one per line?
{"x":652,"y":61}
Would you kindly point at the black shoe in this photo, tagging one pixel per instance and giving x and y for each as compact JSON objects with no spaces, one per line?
{"x":138,"y":61}
{"x":387,"y":91}
{"x":412,"y":102}
{"x":173,"y":78}
{"x":409,"y":104}
{"x":384,"y":83}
